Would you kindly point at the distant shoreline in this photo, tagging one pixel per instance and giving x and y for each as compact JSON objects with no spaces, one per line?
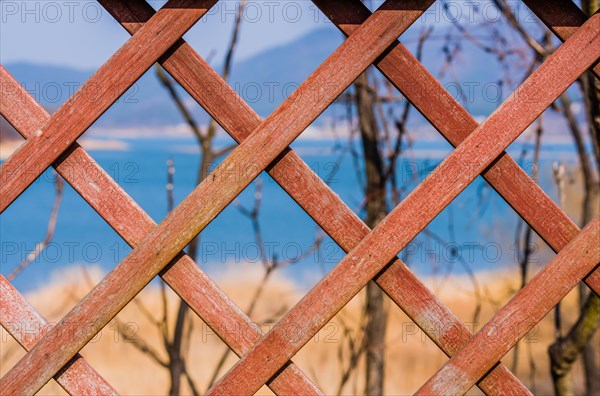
{"x":425,"y":142}
{"x":8,"y":146}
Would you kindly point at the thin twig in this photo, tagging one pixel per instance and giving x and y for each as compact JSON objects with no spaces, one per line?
{"x":39,"y":248}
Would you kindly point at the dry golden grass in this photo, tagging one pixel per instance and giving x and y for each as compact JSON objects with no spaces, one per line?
{"x":411,"y":356}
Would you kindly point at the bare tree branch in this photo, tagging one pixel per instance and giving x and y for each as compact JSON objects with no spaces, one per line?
{"x":39,"y":248}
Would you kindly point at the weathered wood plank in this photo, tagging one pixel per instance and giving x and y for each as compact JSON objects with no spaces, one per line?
{"x":469,"y":159}
{"x":436,"y":104}
{"x":317,"y":199}
{"x":519,"y":316}
{"x":562,"y":17}
{"x":219,"y":91}
{"x":16,"y":314}
{"x":129,"y":220}
{"x":212,"y":195}
{"x":388,"y":271}
{"x":96,"y":95}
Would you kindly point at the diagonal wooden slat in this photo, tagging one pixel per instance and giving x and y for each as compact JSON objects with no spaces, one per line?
{"x":436,"y":104}
{"x":519,"y":316}
{"x":208,"y":199}
{"x":390,"y":268}
{"x":308,"y":190}
{"x":129,"y":220}
{"x":221,"y":91}
{"x":317,"y":199}
{"x":96,"y":95}
{"x":451,"y":177}
{"x":78,"y":378}
{"x":563,"y":18}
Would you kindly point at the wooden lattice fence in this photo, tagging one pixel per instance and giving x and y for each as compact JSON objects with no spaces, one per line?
{"x":266,"y":358}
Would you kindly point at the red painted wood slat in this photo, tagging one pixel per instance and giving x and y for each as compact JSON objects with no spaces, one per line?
{"x":436,"y":104}
{"x":306,"y":188}
{"x":198,"y":209}
{"x":96,"y":95}
{"x":16,"y":313}
{"x":562,"y":17}
{"x":129,"y":220}
{"x":519,"y":316}
{"x":395,"y":269}
{"x":415,"y":212}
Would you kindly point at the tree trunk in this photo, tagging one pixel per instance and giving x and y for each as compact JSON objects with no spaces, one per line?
{"x":175,"y":370}
{"x":376,"y":209}
{"x":175,"y":349}
{"x":565,"y":351}
{"x":579,"y":341}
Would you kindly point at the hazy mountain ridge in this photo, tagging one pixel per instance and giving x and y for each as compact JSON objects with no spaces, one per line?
{"x":263,"y":81}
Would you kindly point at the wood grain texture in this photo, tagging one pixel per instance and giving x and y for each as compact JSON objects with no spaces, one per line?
{"x":96,"y":95}
{"x":451,"y":119}
{"x":211,"y":196}
{"x":469,"y":159}
{"x":16,"y":314}
{"x":519,"y":316}
{"x":396,"y":269}
{"x":128,"y":219}
{"x":311,"y":193}
{"x":562,"y":17}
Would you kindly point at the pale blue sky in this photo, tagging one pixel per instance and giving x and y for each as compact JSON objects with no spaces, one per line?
{"x":83,"y":35}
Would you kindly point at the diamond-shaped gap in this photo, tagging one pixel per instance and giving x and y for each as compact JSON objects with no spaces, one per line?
{"x":474,"y":52}
{"x":408,"y":350}
{"x":229,"y":246}
{"x":80,"y":235}
{"x":332,"y":146}
{"x":137,"y":136}
{"x":230,"y":254}
{"x":461,"y":239}
{"x":135,"y":336}
{"x":341,"y":337}
{"x":266,"y":67}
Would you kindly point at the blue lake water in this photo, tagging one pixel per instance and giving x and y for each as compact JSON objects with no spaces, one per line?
{"x":477,"y":229}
